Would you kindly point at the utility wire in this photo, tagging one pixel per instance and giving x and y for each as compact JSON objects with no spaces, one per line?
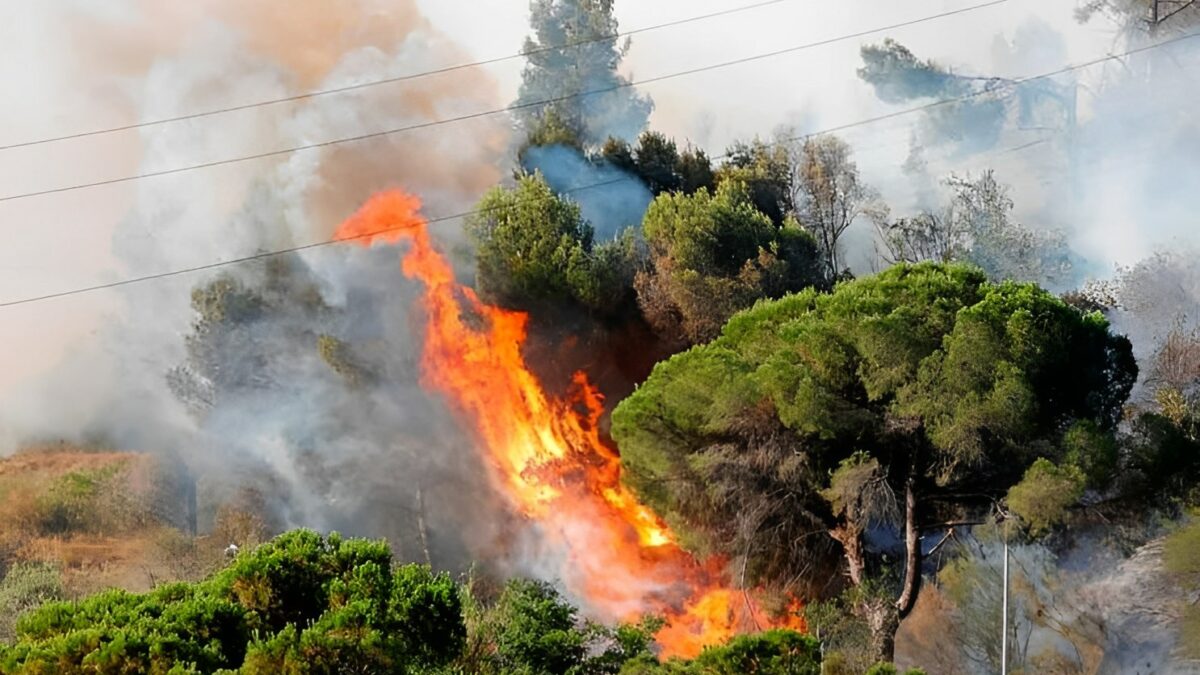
{"x":277,"y":252}
{"x":367,"y":235}
{"x":400,"y":78}
{"x":1003,"y":84}
{"x":496,"y":111}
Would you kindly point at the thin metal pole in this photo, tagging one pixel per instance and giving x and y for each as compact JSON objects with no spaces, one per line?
{"x":1004,"y":609}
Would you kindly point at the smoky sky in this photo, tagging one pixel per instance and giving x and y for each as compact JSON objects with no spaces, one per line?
{"x":369,"y":459}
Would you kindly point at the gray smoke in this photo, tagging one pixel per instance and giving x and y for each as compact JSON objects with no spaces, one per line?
{"x":249,"y":400}
{"x":619,"y":201}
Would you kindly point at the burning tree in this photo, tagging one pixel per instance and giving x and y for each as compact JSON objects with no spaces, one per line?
{"x":866,"y":414}
{"x":547,"y":456}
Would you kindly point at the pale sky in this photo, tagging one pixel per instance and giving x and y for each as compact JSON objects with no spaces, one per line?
{"x":62,"y":241}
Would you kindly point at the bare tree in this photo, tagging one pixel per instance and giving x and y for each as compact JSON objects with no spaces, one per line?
{"x":831,"y":196}
{"x":975,"y":225}
{"x":925,"y":236}
{"x":1176,"y":363}
{"x":1143,"y":15}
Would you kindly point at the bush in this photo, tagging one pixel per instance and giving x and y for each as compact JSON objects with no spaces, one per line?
{"x":535,"y":247}
{"x":774,"y":652}
{"x":85,"y":502}
{"x":24,"y":587}
{"x":889,"y":669}
{"x":300,"y":603}
{"x":712,"y":254}
{"x":1043,"y":496}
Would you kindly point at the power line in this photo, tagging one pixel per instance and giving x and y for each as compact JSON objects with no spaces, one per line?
{"x":273,"y":253}
{"x":496,"y":111}
{"x":320,"y":244}
{"x":1008,"y":83}
{"x":400,"y":78}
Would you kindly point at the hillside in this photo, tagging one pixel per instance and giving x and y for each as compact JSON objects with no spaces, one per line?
{"x":76,"y":520}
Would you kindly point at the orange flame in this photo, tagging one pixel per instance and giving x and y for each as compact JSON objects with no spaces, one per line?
{"x":549,"y":459}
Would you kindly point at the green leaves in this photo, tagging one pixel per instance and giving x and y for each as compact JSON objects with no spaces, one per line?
{"x":535,"y":247}
{"x":301,"y":603}
{"x":25,"y":586}
{"x":979,"y":379}
{"x":564,"y":75}
{"x":774,"y":652}
{"x":1043,"y":496}
{"x":714,"y":254}
{"x":525,"y":239}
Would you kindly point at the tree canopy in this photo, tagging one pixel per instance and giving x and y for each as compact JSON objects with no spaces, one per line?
{"x":809,"y":413}
{"x":572,"y":60}
{"x":660,"y":164}
{"x":533,"y":246}
{"x":713,"y":254}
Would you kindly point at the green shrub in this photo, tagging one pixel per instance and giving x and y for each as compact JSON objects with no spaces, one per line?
{"x":1043,"y":496}
{"x":24,"y":587}
{"x":300,"y":603}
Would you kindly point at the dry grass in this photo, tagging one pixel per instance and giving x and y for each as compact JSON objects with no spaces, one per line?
{"x":91,"y":515}
{"x":81,"y":511}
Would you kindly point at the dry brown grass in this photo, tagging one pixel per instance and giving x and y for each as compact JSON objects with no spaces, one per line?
{"x":79,"y":509}
{"x":28,"y":476}
{"x":92,"y":515}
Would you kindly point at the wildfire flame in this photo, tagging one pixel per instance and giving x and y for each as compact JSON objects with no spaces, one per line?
{"x":548,"y":456}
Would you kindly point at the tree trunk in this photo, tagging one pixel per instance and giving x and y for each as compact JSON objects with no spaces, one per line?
{"x":912,"y":546}
{"x":884,"y":618}
{"x":884,"y":621}
{"x":850,"y":537}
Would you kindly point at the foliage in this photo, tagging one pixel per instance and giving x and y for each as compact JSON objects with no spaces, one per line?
{"x":713,"y":254}
{"x":844,"y":636}
{"x":657,"y":161}
{"x":232,"y":349}
{"x":1181,"y":558}
{"x":948,"y":382}
{"x":976,"y":226}
{"x":534,"y":247}
{"x":975,"y":110}
{"x":87,"y":501}
{"x":530,"y":628}
{"x":552,"y":129}
{"x":574,"y":51}
{"x":1043,"y":496}
{"x":1181,"y":555}
{"x":1163,"y":446}
{"x":831,"y":197}
{"x":926,"y":236}
{"x":768,"y":171}
{"x":1093,"y":451}
{"x":26,"y":586}
{"x":1137,"y":16}
{"x":889,"y":669}
{"x":301,"y":603}
{"x":774,"y":652}
{"x":1003,"y":248}
{"x":337,"y":355}
{"x":1053,"y":626}
{"x":899,"y":76}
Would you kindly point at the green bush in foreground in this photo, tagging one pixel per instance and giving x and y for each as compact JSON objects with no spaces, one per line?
{"x":304,"y":603}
